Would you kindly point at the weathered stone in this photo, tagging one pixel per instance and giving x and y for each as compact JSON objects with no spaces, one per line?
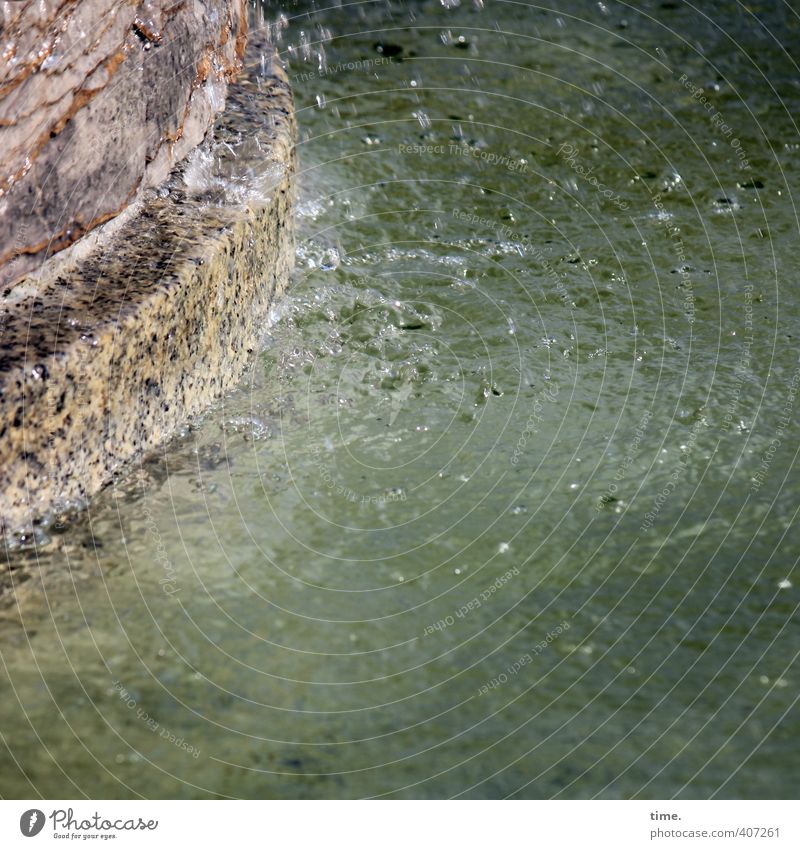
{"x":105,"y":358}
{"x":98,"y":100}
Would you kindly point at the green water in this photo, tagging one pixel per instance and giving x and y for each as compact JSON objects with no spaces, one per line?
{"x":507,"y":505}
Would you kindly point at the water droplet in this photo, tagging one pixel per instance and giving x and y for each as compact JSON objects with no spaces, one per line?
{"x":423,"y":119}
{"x":330,"y":260}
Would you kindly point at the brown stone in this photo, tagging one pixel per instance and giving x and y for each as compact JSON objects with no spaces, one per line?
{"x":99,"y":99}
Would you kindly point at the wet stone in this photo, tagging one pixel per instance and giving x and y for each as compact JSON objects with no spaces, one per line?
{"x":99,"y":99}
{"x":108,"y":356}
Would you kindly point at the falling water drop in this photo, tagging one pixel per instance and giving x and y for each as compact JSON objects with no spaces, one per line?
{"x":424,"y":120}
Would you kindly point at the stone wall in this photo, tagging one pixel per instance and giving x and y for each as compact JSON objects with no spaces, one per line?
{"x":99,"y":99}
{"x":106,"y":357}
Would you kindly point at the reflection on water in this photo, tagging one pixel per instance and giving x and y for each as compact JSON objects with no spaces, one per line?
{"x":504,"y":506}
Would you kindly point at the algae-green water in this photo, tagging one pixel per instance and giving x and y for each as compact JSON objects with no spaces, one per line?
{"x":507,"y":504}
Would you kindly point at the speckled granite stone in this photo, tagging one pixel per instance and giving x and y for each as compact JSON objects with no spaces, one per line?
{"x":107,"y":358}
{"x":99,"y":99}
